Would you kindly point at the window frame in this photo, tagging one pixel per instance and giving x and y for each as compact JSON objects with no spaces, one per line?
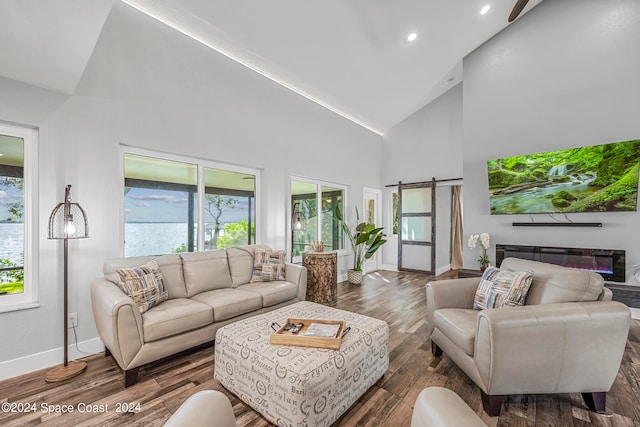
{"x":201,"y":165}
{"x":29,"y":297}
{"x":319,"y":184}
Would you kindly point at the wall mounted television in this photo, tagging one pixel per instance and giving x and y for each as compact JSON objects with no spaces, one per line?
{"x":597,"y":178}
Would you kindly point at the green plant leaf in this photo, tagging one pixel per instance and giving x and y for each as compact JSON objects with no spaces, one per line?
{"x":362,"y":238}
{"x":365,"y":239}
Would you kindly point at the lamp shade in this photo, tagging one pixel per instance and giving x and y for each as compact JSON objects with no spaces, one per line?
{"x":68,"y":220}
{"x":298,"y":220}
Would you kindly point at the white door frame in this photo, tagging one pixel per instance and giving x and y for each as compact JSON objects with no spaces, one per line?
{"x":374,"y":194}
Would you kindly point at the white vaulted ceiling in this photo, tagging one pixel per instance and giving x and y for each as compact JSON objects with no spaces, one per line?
{"x":49,"y":43}
{"x":351,"y":56}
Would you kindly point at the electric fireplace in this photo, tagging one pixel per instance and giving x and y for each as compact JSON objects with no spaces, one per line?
{"x":609,"y":263}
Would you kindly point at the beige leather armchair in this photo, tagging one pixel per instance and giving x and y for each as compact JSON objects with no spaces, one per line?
{"x":569,"y":337}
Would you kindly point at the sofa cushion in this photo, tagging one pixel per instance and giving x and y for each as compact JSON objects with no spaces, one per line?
{"x":459,"y":325}
{"x":228,"y":303}
{"x":241,"y":262}
{"x":205,"y":271}
{"x":174,"y":317}
{"x":268,"y":265}
{"x":502,"y":288}
{"x":144,"y":284}
{"x":273,"y":292}
{"x":170,"y":267}
{"x":554,"y":283}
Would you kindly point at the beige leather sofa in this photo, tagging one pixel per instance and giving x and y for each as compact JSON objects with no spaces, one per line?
{"x":207,"y":290}
{"x":569,"y":337}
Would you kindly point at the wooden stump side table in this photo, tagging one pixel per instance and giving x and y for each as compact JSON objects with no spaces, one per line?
{"x":322,"y":276}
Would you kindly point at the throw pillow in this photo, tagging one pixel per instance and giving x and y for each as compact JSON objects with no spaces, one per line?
{"x":268,"y":265}
{"x":144,"y":284}
{"x":502,"y":288}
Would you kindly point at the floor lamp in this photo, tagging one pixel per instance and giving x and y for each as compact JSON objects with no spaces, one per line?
{"x":67,"y":221}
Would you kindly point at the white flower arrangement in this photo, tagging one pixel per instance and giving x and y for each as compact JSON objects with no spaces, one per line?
{"x":485,"y":242}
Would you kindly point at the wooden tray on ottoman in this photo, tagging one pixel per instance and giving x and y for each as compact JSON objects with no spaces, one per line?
{"x":283,"y":337}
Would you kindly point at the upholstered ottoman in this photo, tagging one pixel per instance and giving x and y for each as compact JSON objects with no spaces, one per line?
{"x":300,"y":386}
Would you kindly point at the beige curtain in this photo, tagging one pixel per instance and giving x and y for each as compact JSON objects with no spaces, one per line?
{"x":456,"y":230}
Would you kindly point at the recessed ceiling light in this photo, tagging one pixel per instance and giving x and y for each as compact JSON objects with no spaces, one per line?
{"x":411,"y":37}
{"x":485,"y":9}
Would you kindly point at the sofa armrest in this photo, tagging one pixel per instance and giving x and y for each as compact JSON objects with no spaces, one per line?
{"x":297,"y":274}
{"x":577,"y":347}
{"x":451,"y":293}
{"x":118,"y":321}
{"x":605,"y":295}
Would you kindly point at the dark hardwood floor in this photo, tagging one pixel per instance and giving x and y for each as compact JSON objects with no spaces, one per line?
{"x":398,"y":298}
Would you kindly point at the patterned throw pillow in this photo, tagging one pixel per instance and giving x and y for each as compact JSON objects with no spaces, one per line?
{"x":268,"y":265}
{"x":144,"y":284}
{"x":502,"y":288}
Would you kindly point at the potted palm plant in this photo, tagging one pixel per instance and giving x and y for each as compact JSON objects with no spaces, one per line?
{"x":365,"y":240}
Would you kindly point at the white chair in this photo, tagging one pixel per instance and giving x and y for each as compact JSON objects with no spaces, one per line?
{"x":441,"y":407}
{"x":205,"y":408}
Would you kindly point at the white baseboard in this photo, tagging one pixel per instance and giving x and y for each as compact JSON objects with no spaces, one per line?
{"x":393,"y":267}
{"x":47,"y":359}
{"x":443,"y":269}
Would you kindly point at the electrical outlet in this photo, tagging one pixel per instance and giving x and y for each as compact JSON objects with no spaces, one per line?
{"x":73,"y":320}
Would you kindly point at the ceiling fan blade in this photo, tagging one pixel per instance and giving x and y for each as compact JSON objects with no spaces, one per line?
{"x":520,"y":4}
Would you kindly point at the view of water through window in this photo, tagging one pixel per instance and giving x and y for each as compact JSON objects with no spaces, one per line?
{"x":161,"y":207}
{"x":13,"y":241}
{"x":12,"y":207}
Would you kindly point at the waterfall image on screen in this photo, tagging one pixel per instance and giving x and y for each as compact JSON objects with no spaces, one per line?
{"x":598,"y":178}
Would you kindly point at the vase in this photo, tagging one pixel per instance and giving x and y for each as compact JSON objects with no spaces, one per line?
{"x":483,"y":267}
{"x":317,"y":246}
{"x":354,"y":276}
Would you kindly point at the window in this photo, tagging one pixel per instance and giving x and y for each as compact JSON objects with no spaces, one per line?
{"x":160,"y":207}
{"x":176,"y":205}
{"x":18,"y":252}
{"x":319,"y":224}
{"x":229,"y":209}
{"x":394,"y":213}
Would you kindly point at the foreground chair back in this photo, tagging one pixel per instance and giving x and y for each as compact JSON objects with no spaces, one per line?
{"x":441,"y":407}
{"x":209,"y":408}
{"x":569,"y":337}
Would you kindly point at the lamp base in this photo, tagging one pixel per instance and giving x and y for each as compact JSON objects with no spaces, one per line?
{"x":61,"y":372}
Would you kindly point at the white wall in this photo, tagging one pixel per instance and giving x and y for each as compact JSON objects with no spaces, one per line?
{"x":150,"y":87}
{"x":563,"y":75}
{"x":425,"y":145}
